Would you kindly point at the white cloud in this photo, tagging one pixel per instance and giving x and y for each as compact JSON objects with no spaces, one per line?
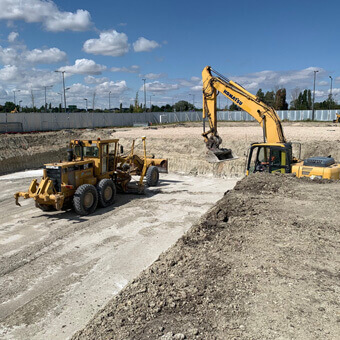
{"x":116,"y":88}
{"x":21,"y":56}
{"x":144,"y":45}
{"x":323,"y":83}
{"x":111,"y":43}
{"x":12,"y":36}
{"x":47,"y":56}
{"x":156,"y":86}
{"x":193,"y":83}
{"x":93,"y":80}
{"x":130,"y":69}
{"x":45,"y":12}
{"x":84,"y":66}
{"x":10,"y":73}
{"x":196,"y":88}
{"x":271,"y":79}
{"x":9,"y":56}
{"x":62,"y":21}
{"x":153,"y":75}
{"x":335,"y":91}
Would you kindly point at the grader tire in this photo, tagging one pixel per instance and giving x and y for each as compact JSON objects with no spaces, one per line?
{"x":85,"y":199}
{"x":152,"y":176}
{"x":106,"y":192}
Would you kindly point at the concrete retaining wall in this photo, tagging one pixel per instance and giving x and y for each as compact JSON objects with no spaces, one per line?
{"x":25,"y":122}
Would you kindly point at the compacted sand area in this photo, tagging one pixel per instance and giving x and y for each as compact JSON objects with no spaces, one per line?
{"x":263,"y":263}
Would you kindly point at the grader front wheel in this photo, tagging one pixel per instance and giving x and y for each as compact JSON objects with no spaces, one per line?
{"x":152,"y":176}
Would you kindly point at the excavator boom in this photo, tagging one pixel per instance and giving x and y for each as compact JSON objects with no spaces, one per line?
{"x":264,"y":114}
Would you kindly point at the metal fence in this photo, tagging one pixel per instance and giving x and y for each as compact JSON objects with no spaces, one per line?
{"x":26,"y":122}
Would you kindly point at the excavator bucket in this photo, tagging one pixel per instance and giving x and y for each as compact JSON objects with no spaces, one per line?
{"x":219,"y":155}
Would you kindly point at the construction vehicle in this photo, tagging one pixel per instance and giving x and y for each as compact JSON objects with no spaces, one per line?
{"x":93,"y":172}
{"x":337,"y":119}
{"x":274,"y":154}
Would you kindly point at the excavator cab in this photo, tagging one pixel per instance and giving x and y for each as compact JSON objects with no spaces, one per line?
{"x":265,"y":157}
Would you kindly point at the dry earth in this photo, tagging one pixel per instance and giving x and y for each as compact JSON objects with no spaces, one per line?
{"x":58,"y":269}
{"x":181,"y":144}
{"x":263,"y":263}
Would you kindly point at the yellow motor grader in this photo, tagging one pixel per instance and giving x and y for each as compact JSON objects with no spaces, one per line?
{"x":94,"y":170}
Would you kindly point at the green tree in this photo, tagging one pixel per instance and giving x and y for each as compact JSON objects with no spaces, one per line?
{"x":280,"y":100}
{"x":137,"y":108}
{"x":260,"y":95}
{"x":9,"y":106}
{"x":234,"y":107}
{"x":183,"y":105}
{"x":269,"y":98}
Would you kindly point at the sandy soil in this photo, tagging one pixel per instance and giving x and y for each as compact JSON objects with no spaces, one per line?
{"x":181,"y":144}
{"x":57,"y":270}
{"x":263,"y":263}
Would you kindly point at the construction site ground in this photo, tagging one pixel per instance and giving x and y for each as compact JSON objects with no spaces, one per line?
{"x":263,"y":263}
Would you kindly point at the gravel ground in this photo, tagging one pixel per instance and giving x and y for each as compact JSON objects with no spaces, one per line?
{"x":263,"y":263}
{"x":58,"y":269}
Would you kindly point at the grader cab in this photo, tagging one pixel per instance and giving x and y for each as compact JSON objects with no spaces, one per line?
{"x":93,"y":172}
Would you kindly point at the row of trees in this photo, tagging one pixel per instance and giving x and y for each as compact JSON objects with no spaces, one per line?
{"x":277,"y":100}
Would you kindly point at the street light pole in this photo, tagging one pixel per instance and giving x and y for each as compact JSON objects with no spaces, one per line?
{"x":85,"y":103}
{"x":15,"y":103}
{"x":63,"y":76}
{"x":61,"y":100}
{"x":314,"y":94}
{"x":144,"y":95}
{"x":109,"y":101}
{"x":45,"y":87}
{"x":193,"y":100}
{"x":330,"y":94}
{"x":151,"y":95}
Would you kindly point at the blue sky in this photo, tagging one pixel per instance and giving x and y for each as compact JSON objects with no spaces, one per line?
{"x":110,"y":46}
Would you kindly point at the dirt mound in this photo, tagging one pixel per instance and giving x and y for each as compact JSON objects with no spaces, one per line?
{"x":262,"y":264}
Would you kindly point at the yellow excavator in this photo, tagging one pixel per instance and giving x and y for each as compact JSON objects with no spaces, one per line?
{"x":274,"y":154}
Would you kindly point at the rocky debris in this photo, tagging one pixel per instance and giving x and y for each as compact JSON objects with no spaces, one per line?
{"x":263,"y":263}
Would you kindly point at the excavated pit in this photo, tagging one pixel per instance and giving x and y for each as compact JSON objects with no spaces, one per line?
{"x":263,"y":263}
{"x":181,"y":144}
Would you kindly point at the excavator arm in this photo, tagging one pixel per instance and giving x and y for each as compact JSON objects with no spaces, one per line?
{"x":264,"y":114}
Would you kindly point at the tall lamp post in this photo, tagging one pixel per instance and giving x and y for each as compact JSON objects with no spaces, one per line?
{"x":63,"y":76}
{"x":144,"y":95}
{"x":15,"y":103}
{"x":314,"y":94}
{"x":151,"y":95}
{"x":61,"y":100}
{"x":85,"y":103}
{"x":46,"y":87}
{"x":109,"y":101}
{"x":330,"y":93}
{"x":20,"y":104}
{"x":193,"y":100}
